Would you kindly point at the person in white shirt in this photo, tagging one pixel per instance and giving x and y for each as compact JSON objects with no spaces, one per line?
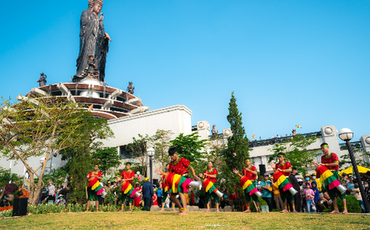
{"x":51,"y":191}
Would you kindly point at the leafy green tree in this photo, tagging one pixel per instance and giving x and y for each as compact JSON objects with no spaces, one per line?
{"x":296,"y":152}
{"x":80,"y":166}
{"x":361,"y":156}
{"x":79,"y":158}
{"x":214,"y":147}
{"x":106,"y":158}
{"x":35,"y":126}
{"x":189,"y":146}
{"x":237,"y":149}
{"x":58,"y":176}
{"x":138,"y":149}
{"x":162,"y":143}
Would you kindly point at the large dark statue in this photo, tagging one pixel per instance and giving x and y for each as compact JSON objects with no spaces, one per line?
{"x":130,"y":89}
{"x":93,"y":41}
{"x":42,"y":81}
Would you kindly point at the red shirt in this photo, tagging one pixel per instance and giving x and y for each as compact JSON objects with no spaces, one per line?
{"x":286,"y":165}
{"x":333,"y":158}
{"x":96,"y":174}
{"x":249,"y":174}
{"x":180,"y":168}
{"x":214,"y":172}
{"x":128,"y":175}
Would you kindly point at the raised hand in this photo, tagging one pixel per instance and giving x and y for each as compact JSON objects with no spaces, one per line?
{"x":106,"y":35}
{"x":236,"y":171}
{"x":315,"y":163}
{"x":159,"y":171}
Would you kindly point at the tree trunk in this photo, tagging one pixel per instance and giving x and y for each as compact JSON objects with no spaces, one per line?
{"x":34,"y":189}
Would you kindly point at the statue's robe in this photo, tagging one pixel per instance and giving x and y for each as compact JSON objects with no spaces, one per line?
{"x":92,"y":42}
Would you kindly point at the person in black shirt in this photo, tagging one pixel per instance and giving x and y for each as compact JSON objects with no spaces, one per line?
{"x":297,"y":196}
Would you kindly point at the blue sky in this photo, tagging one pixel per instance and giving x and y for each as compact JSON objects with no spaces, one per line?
{"x":289,"y":62}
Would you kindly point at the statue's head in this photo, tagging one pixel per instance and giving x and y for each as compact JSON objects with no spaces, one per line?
{"x":96,"y":8}
{"x":92,"y":2}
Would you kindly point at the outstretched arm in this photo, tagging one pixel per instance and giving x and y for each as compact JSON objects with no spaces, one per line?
{"x":237,"y":172}
{"x":193,"y":172}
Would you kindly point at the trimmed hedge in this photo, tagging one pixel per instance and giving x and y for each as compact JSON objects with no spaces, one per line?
{"x":352,"y":204}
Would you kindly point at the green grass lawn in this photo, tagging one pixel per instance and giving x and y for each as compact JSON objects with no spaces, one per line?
{"x":197,"y":220}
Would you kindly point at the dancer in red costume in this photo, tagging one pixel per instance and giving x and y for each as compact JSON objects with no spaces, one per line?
{"x":178,"y":170}
{"x":331,"y":162}
{"x":127,"y":176}
{"x":249,"y":173}
{"x":285,"y":168}
{"x":211,"y":175}
{"x":210,"y":178}
{"x":94,"y":188}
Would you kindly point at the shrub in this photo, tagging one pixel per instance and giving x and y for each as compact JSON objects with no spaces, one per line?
{"x":56,"y":208}
{"x":352,"y":204}
{"x":261,"y":201}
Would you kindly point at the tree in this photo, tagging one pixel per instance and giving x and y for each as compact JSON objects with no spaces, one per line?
{"x":36,"y":126}
{"x":237,"y":149}
{"x":161,"y":145}
{"x":361,"y":157}
{"x":296,"y":152}
{"x":79,"y":159}
{"x":106,"y":158}
{"x":58,"y":176}
{"x":139,"y":148}
{"x":189,"y":147}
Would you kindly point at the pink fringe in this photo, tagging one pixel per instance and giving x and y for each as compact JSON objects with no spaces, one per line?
{"x":133,"y":193}
{"x":253,"y":191}
{"x":100,"y":191}
{"x":287,"y":186}
{"x":185,"y":185}
{"x":334,"y":184}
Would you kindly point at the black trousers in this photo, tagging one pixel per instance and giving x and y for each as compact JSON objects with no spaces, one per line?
{"x":159,"y":200}
{"x":297,"y":202}
{"x":268,"y":201}
{"x":147,"y":202}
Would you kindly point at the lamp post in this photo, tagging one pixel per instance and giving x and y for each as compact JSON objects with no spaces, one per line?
{"x":151,"y":153}
{"x":346,"y":135}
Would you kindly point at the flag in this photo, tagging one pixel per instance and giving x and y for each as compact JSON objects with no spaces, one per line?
{"x":254,"y":136}
{"x":298,"y":126}
{"x":91,"y":107}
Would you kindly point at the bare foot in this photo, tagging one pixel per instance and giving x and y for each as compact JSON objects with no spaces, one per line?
{"x":247,"y":211}
{"x":131,"y":210}
{"x":294,"y":211}
{"x":335,"y":212}
{"x":87,"y":211}
{"x":284,"y":211}
{"x":345,"y":211}
{"x":183,"y":213}
{"x":97,"y":211}
{"x":173,"y":210}
{"x":207,"y":210}
{"x":217,"y":210}
{"x":161,"y":210}
{"x":259,"y":210}
{"x":120,"y":210}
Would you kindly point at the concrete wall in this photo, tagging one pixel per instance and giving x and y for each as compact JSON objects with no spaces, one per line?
{"x":176,"y":118}
{"x":18,"y":168}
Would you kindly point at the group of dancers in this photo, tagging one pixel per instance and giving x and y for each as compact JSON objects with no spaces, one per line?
{"x":175,"y":182}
